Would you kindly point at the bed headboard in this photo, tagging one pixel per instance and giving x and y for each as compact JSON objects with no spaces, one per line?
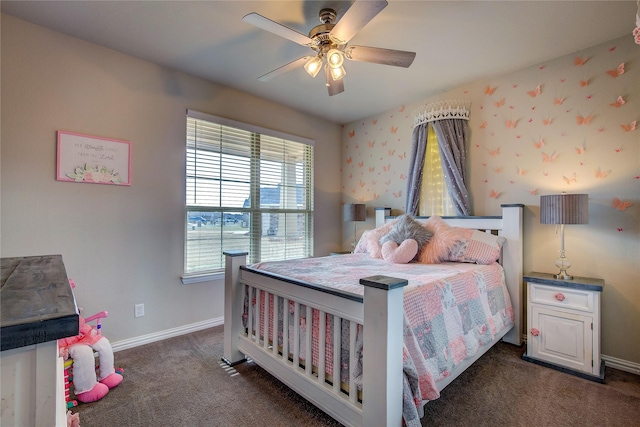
{"x":508,"y":225}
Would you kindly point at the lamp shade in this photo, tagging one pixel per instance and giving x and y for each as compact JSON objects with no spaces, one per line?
{"x":355,"y":212}
{"x":564,"y":209}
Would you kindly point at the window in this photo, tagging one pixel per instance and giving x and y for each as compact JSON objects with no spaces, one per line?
{"x":247,"y":188}
{"x":434,"y":196}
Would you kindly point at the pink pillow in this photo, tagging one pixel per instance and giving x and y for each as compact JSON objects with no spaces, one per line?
{"x":475,"y":246}
{"x":459,"y":244}
{"x":437,"y":249}
{"x":370,"y":240}
{"x":402,"y":254}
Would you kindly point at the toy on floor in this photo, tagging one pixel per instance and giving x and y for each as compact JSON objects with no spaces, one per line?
{"x":88,"y":386}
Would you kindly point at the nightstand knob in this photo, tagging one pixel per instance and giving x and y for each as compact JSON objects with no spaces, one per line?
{"x":559,"y":296}
{"x":535,"y":332}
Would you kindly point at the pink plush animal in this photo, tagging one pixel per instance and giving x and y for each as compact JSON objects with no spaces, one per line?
{"x":88,"y":387}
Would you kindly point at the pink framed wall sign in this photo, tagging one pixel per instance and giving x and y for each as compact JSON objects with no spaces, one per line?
{"x":92,"y":159}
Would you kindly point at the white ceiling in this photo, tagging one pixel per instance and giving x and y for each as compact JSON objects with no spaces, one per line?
{"x":456,"y":42}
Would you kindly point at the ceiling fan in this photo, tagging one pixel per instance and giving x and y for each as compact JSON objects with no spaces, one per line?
{"x":329,"y":43}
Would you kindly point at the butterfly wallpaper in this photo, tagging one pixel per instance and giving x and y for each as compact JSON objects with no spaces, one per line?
{"x":569,"y":124}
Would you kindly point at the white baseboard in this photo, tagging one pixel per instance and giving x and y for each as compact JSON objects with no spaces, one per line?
{"x":163,"y":335}
{"x":623,"y":365}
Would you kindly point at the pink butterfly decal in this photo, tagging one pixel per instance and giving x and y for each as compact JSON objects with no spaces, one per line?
{"x":384,"y":144}
{"x":584,"y":83}
{"x":401,"y":109}
{"x":579,"y":62}
{"x":547,"y":122}
{"x":397,"y":194}
{"x":535,"y":92}
{"x":371,"y":144}
{"x":546,"y":158}
{"x":620,"y":205}
{"x":352,"y":133}
{"x":489,"y":90}
{"x":391,"y":153}
{"x":360,"y":164}
{"x":494,"y":194}
{"x":483,"y":125}
{"x":631,"y":126}
{"x":495,"y":152}
{"x":583,"y":120}
{"x":617,"y":71}
{"x":539,"y":143}
{"x":394,"y":129}
{"x":372,"y":169}
{"x":521,"y":172}
{"x":349,"y":160}
{"x":581,"y":150}
{"x":558,"y":101}
{"x":570,"y":179}
{"x":500,"y":103}
{"x":403,"y":176}
{"x":362,"y":184}
{"x":511,"y":124}
{"x":619,"y":102}
{"x":498,"y":170}
{"x":601,"y":174}
{"x":402,"y":156}
{"x":533,"y":191}
{"x":386,"y":168}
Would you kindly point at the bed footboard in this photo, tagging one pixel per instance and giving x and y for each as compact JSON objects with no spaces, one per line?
{"x":380,"y":402}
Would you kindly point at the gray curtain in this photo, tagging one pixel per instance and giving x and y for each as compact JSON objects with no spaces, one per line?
{"x":451,"y":135}
{"x":416,"y":165}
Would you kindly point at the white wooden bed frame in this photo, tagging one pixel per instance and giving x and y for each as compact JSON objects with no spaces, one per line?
{"x":381,"y":308}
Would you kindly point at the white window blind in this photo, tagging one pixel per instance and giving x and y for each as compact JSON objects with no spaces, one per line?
{"x":247,"y":188}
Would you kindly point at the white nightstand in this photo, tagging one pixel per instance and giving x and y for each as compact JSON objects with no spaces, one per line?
{"x":563,"y":324}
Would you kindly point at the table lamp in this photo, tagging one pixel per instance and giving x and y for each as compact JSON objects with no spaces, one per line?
{"x":356,"y":212}
{"x":564,"y":209}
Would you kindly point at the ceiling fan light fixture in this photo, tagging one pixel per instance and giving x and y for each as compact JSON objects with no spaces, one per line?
{"x":335,"y":58}
{"x":337,"y":73}
{"x":313,"y":66}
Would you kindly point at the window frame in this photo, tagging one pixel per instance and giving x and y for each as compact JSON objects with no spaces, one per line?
{"x":218,"y":273}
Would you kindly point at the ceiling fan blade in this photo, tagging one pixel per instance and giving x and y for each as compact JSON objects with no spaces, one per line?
{"x":334,"y":87}
{"x":378,"y":55}
{"x":285,"y":68}
{"x":356,"y":17}
{"x":277,"y":29}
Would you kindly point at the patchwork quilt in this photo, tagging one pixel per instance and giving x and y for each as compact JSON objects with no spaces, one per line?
{"x":450,"y":311}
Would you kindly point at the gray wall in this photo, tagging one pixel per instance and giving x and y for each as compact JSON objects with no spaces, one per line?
{"x":123,"y":245}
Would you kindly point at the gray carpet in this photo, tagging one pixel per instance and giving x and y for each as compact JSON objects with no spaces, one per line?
{"x":180,"y":382}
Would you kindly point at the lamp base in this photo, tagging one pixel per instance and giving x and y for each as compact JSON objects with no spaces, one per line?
{"x":563,"y":263}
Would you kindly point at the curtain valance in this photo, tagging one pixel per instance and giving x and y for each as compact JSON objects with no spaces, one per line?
{"x":451,"y":109}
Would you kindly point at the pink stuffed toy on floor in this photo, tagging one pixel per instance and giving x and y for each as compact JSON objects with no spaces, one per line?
{"x":80,"y":348}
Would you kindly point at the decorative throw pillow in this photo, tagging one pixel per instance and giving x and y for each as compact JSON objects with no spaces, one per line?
{"x":370,"y":240}
{"x":475,"y":246}
{"x":459,"y":244}
{"x":407,"y":228}
{"x":437,"y":249}
{"x":402,"y":254}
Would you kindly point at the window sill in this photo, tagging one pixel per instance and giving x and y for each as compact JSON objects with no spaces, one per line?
{"x":198,"y":278}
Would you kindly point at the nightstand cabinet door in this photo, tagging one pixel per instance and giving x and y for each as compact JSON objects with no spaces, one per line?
{"x":564,"y":338}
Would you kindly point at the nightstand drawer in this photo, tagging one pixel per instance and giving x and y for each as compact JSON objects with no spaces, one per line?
{"x":561,"y":297}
